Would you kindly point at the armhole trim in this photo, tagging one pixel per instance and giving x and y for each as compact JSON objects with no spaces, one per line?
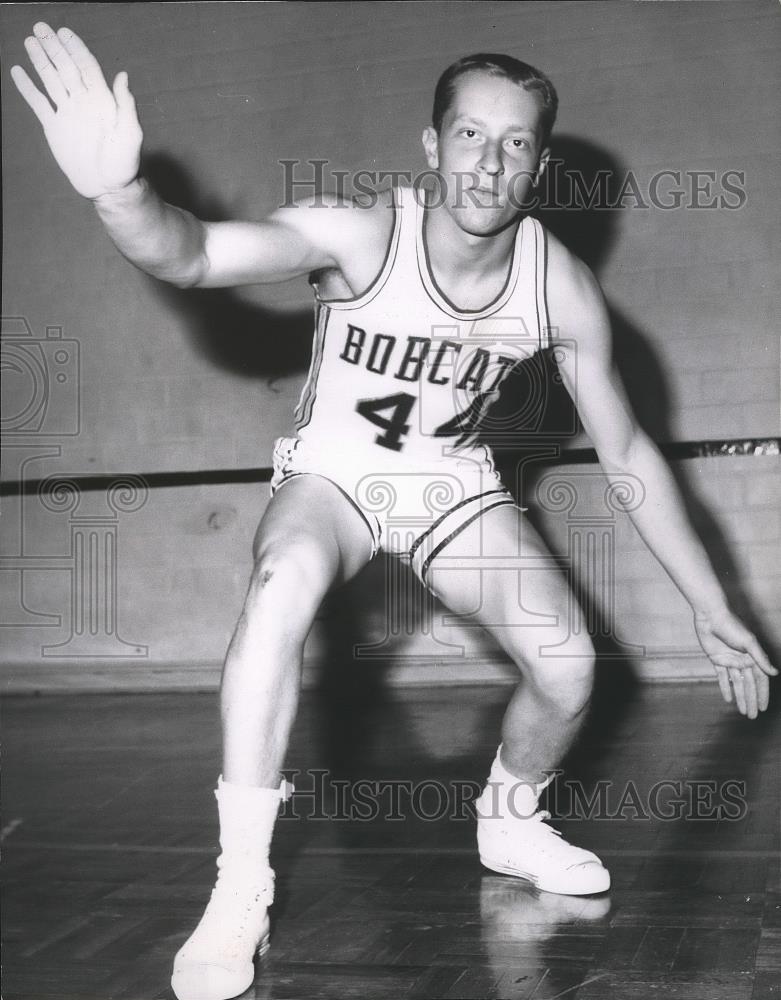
{"x":379,"y":281}
{"x":541,"y":285}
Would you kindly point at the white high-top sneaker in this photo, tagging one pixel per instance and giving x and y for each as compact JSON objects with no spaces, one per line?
{"x":514,"y":839}
{"x":217,"y":961}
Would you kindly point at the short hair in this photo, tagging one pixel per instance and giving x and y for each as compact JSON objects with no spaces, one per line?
{"x":497,"y":65}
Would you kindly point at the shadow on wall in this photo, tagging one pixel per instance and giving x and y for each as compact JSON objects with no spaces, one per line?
{"x":584,"y":180}
{"x":237,"y":336}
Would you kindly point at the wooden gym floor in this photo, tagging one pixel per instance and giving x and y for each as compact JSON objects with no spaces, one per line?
{"x":109,"y":830}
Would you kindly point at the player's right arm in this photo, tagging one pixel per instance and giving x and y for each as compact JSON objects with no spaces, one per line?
{"x":95,"y":136}
{"x":175,"y":246}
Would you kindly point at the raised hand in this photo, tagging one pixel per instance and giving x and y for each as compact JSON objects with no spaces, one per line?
{"x":740,"y":662}
{"x":93,"y":130}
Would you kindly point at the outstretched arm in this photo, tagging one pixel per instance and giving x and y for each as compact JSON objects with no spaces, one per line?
{"x":95,"y":136}
{"x":578,"y":310}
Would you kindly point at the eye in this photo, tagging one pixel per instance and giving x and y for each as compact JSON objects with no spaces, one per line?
{"x":519,"y":143}
{"x":470,"y":133}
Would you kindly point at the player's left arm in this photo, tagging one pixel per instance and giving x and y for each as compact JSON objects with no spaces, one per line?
{"x":580,"y":318}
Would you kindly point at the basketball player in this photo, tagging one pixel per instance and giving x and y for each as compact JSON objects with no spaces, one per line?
{"x":391,"y":404}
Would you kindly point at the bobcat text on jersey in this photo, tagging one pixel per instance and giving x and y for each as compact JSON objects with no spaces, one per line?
{"x":441,"y":362}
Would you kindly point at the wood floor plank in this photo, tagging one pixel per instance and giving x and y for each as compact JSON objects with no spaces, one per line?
{"x":111,"y":858}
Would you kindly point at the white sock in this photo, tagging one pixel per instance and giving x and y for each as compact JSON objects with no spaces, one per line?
{"x":247,"y":817}
{"x":512,"y":796}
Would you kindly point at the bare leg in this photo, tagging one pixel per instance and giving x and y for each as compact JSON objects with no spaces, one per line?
{"x":536,"y":734}
{"x":526,"y":610}
{"x":308,"y":539}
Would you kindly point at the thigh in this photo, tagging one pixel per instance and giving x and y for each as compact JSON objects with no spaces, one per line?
{"x":499,"y":574}
{"x":309,"y":514}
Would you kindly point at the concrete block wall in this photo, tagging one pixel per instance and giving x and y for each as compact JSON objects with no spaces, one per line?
{"x":186,"y":381}
{"x":183,"y":561}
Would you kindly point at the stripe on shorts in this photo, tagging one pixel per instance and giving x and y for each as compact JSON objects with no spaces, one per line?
{"x":461,"y":503}
{"x":462,"y":520}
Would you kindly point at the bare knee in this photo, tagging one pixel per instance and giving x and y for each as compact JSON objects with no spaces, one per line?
{"x":565,"y":683}
{"x":299,"y":567}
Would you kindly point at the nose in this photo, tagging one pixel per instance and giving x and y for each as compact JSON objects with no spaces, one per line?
{"x":491,"y":159}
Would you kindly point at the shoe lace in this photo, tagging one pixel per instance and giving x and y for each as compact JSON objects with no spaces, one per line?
{"x":563,"y":845}
{"x":541,"y":816}
{"x":233,"y":919}
{"x":229,"y":890}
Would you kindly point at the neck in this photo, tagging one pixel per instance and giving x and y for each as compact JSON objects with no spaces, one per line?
{"x":454,"y":251}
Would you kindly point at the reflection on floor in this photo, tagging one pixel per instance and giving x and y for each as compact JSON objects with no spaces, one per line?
{"x":110,"y":835}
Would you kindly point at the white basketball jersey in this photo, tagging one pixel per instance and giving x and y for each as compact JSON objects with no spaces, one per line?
{"x":400,"y":377}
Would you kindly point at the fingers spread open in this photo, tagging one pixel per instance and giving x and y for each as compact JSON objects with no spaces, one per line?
{"x":760,"y":657}
{"x":736,"y":676}
{"x":31,"y":94}
{"x":121,"y":89}
{"x":50,"y":78}
{"x":59,"y":57}
{"x":87,"y":65}
{"x":750,"y":689}
{"x":763,"y":689}
{"x":726,"y":690}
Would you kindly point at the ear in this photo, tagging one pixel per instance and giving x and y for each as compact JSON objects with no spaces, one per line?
{"x":541,"y":165}
{"x":431,"y":146}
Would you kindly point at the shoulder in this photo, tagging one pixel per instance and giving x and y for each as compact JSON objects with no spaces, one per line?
{"x":576,"y":304}
{"x":341,"y":225}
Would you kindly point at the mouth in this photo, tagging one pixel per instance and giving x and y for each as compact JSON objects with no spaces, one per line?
{"x":490,"y":193}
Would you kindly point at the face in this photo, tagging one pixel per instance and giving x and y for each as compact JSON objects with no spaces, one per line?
{"x":488,"y":151}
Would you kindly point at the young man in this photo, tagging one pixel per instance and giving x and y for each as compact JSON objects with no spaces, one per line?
{"x":388,"y":411}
